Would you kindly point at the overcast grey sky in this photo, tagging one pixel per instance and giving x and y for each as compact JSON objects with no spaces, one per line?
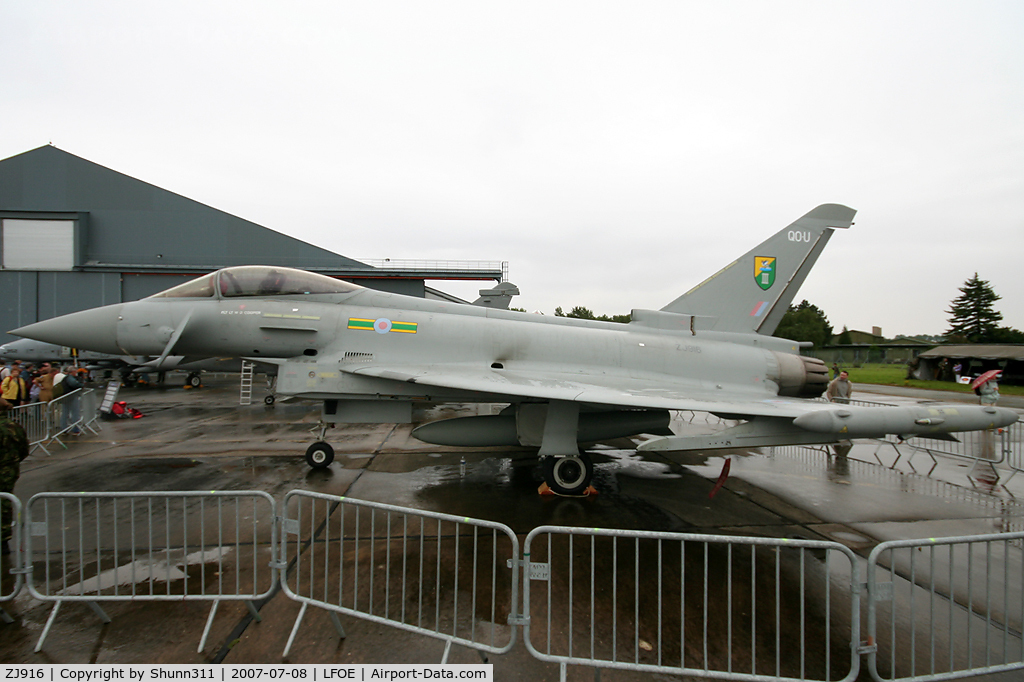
{"x":615,"y":153}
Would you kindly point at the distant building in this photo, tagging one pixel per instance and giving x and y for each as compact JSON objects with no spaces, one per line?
{"x":76,"y":235}
{"x":862,"y":338}
{"x":865,"y":347}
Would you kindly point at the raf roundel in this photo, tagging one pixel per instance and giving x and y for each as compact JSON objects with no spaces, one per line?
{"x":382,"y":325}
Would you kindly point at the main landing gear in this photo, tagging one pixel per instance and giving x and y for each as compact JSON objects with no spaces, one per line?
{"x":320,"y":454}
{"x":567,"y":471}
{"x":570,"y":475}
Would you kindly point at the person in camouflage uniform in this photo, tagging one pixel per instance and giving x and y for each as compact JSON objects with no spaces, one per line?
{"x":13,"y":449}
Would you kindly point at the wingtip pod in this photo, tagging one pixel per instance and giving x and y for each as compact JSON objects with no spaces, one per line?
{"x":868,"y":422}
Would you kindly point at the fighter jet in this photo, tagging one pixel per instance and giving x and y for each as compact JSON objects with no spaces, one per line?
{"x":369,"y":355}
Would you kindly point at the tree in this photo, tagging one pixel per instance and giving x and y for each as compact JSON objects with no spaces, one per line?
{"x":1008,"y":335}
{"x":844,"y":337}
{"x":972,"y":316}
{"x":583,"y":313}
{"x":805,"y":322}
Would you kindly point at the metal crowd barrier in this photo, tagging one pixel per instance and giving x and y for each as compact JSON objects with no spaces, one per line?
{"x":1015,"y":448}
{"x":12,"y":505}
{"x":448,"y":577}
{"x":34,"y":418}
{"x":854,"y":401}
{"x":136,"y":546}
{"x":945,"y":608}
{"x":685,"y":586}
{"x":989,"y":446}
{"x":67,"y":413}
{"x":90,"y":409}
{"x":44,"y":423}
{"x":711,"y":606}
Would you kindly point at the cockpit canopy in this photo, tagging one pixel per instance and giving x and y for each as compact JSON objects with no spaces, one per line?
{"x":258,"y":280}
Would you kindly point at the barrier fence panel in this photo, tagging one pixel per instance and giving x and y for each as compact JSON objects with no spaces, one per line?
{"x":90,"y":409}
{"x":1015,"y":446}
{"x":946,"y":608}
{"x":11,"y":580}
{"x":34,"y":419}
{"x":444,"y":576}
{"x":158,"y":546}
{"x":992,"y":446}
{"x":704,"y":605}
{"x":65,"y":415}
{"x":44,"y":423}
{"x":710,"y":606}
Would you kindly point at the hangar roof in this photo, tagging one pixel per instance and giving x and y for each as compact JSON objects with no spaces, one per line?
{"x":128,"y":222}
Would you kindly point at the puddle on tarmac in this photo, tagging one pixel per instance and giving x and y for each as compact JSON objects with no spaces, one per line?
{"x":633,"y":464}
{"x":151,"y":568}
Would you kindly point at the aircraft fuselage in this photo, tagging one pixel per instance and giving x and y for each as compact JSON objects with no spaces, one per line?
{"x":319,"y":337}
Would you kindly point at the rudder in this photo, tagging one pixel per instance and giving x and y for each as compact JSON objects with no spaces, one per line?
{"x":752,"y":293}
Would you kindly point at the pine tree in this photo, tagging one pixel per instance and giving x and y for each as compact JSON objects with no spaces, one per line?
{"x":972,"y":316}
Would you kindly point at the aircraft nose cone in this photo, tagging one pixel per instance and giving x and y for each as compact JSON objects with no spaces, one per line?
{"x":94,"y":329}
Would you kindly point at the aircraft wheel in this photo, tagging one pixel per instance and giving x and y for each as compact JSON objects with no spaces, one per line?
{"x":568,"y":475}
{"x":319,"y":455}
{"x":269,"y":400}
{"x":194,"y":380}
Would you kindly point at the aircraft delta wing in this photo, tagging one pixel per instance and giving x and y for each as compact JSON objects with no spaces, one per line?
{"x":369,"y":355}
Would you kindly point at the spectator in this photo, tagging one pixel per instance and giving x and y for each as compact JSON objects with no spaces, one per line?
{"x":13,"y":449}
{"x":840,"y":390}
{"x":13,"y":388}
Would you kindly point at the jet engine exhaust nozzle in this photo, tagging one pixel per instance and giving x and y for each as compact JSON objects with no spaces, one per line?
{"x":799,"y":376}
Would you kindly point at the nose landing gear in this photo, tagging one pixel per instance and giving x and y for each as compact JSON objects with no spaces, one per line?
{"x":320,"y":454}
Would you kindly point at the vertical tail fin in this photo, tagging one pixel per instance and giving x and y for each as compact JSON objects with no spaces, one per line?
{"x":752,"y":294}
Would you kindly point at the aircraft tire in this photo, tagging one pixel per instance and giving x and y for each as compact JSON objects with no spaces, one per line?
{"x":319,"y":455}
{"x":269,"y":400}
{"x":568,"y":475}
{"x":194,"y":380}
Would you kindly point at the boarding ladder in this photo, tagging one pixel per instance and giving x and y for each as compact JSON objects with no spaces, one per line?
{"x":245,"y":397}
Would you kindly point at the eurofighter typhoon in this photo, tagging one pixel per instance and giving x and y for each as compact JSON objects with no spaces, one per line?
{"x":368,"y":355}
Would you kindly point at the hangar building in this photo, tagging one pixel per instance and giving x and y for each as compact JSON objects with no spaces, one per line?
{"x":76,"y":235}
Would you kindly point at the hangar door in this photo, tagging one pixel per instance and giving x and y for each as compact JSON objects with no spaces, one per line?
{"x":140,"y":285}
{"x":38,"y":244}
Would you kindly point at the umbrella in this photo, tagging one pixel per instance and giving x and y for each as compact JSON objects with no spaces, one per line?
{"x":986,"y":377}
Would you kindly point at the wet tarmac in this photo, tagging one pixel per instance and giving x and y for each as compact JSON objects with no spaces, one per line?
{"x":203,"y":440}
